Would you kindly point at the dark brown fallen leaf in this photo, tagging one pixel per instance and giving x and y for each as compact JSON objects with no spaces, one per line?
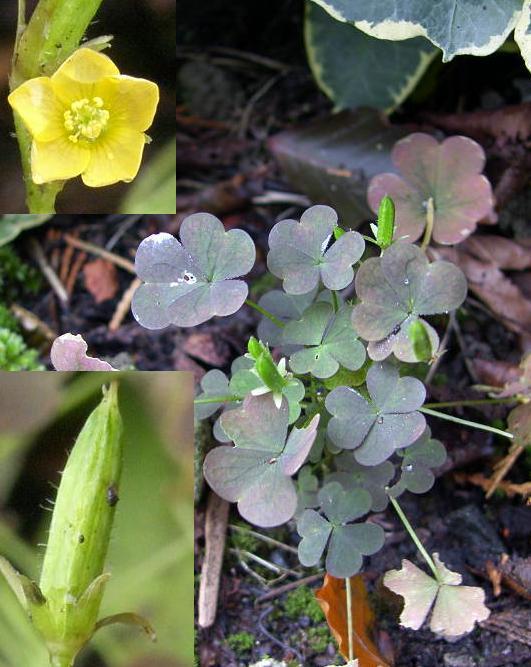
{"x":207,"y":347}
{"x":332,"y":159}
{"x":495,"y":373}
{"x":101,"y":279}
{"x":332,"y":598}
{"x":503,"y":252}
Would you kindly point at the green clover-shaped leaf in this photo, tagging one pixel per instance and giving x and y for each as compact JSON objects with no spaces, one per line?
{"x":376,"y":428}
{"x":284,"y":307}
{"x":395,"y":290}
{"x":307,"y":488}
{"x":187,"y":283}
{"x":351,"y":475}
{"x":214,"y":383}
{"x":329,"y":339}
{"x":256,"y":472}
{"x":299,"y":252}
{"x":417,"y":462}
{"x":346,"y":542}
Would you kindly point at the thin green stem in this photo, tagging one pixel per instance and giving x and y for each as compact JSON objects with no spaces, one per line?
{"x":414,"y":536}
{"x":370,"y":240}
{"x":466,"y":403}
{"x":465,"y":422}
{"x":430,"y":215}
{"x":265,"y":313}
{"x":230,"y":398}
{"x":349,"y":620}
{"x":335,"y":301}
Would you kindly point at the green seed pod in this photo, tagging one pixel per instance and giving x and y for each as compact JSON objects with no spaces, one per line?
{"x":386,"y":222}
{"x":80,"y":531}
{"x":420,"y":339}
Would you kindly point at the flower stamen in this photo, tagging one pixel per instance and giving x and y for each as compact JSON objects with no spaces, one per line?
{"x":86,"y":119}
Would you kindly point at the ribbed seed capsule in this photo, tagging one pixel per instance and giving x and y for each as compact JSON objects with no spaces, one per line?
{"x":81,"y":527}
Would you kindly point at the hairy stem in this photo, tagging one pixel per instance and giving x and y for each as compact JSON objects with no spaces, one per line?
{"x":265,"y":313}
{"x":217,"y":399}
{"x":465,"y":422}
{"x":466,"y":403}
{"x":414,"y":537}
{"x":349,"y":620}
{"x":53,"y":33}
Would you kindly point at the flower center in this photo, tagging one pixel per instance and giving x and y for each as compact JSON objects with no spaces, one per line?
{"x":86,"y":119}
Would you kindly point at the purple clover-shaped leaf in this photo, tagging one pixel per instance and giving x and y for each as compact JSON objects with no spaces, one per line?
{"x":417,"y":462}
{"x":329,"y":339}
{"x":346,"y":542}
{"x":307,"y":489}
{"x":284,"y":307}
{"x":456,"y":608}
{"x":375,"y":428}
{"x":351,"y":475}
{"x":395,"y":290}
{"x":449,"y":173}
{"x":256,"y":472}
{"x":189,"y":282}
{"x":69,"y":353}
{"x":299,"y":252}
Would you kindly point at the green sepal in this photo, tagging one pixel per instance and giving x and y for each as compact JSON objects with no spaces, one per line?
{"x":419,"y":337}
{"x":27,"y":591}
{"x":338,"y":232}
{"x":128,"y":618}
{"x":254,"y":348}
{"x":265,"y":366}
{"x":386,"y":223}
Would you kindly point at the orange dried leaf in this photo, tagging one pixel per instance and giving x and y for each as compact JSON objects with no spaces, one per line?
{"x":333,"y":600}
{"x":101,"y":279}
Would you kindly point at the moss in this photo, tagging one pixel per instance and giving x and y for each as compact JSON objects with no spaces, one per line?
{"x":7,"y":320}
{"x":244,"y":540}
{"x":15,"y":355}
{"x":318,"y":638}
{"x":16,"y":277}
{"x":240,"y":642}
{"x":302,"y":602}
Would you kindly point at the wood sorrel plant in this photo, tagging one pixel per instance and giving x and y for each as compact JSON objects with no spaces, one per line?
{"x":75,"y":114}
{"x":346,"y":329}
{"x":64,"y":606}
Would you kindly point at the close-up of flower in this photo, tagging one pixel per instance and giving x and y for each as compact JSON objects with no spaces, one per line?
{"x":86,"y":119}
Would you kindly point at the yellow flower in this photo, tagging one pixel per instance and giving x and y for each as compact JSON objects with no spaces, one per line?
{"x":86,"y":119}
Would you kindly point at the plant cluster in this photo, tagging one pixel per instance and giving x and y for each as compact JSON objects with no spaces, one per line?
{"x":329,"y":425}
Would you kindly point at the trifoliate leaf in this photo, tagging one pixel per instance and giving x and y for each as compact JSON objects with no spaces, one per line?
{"x":375,"y":428}
{"x":256,"y":472}
{"x":449,"y":173}
{"x":395,"y":290}
{"x":457,"y":608}
{"x":307,"y":488}
{"x":374,"y":479}
{"x":299,"y":252}
{"x":346,"y":542}
{"x":417,"y":463}
{"x":284,"y":307}
{"x":189,"y":282}
{"x":329,"y":339}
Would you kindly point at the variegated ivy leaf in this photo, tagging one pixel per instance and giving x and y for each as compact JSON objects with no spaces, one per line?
{"x":395,"y":290}
{"x":329,"y":340}
{"x":418,"y":460}
{"x":455,"y":26}
{"x":285,"y":307}
{"x":189,"y":282}
{"x":346,"y":543}
{"x":374,"y":479}
{"x":456,"y":608}
{"x":449,"y":173}
{"x":375,"y":428}
{"x":256,"y":472}
{"x":299,"y":252}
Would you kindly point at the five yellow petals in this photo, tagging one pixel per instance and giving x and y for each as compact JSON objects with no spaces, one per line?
{"x":86,"y":119}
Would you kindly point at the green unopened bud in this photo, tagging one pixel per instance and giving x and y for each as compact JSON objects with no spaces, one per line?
{"x":338,"y":232}
{"x":269,"y":372}
{"x":386,"y":223}
{"x":254,"y":347}
{"x":420,"y":339}
{"x":64,"y":608}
